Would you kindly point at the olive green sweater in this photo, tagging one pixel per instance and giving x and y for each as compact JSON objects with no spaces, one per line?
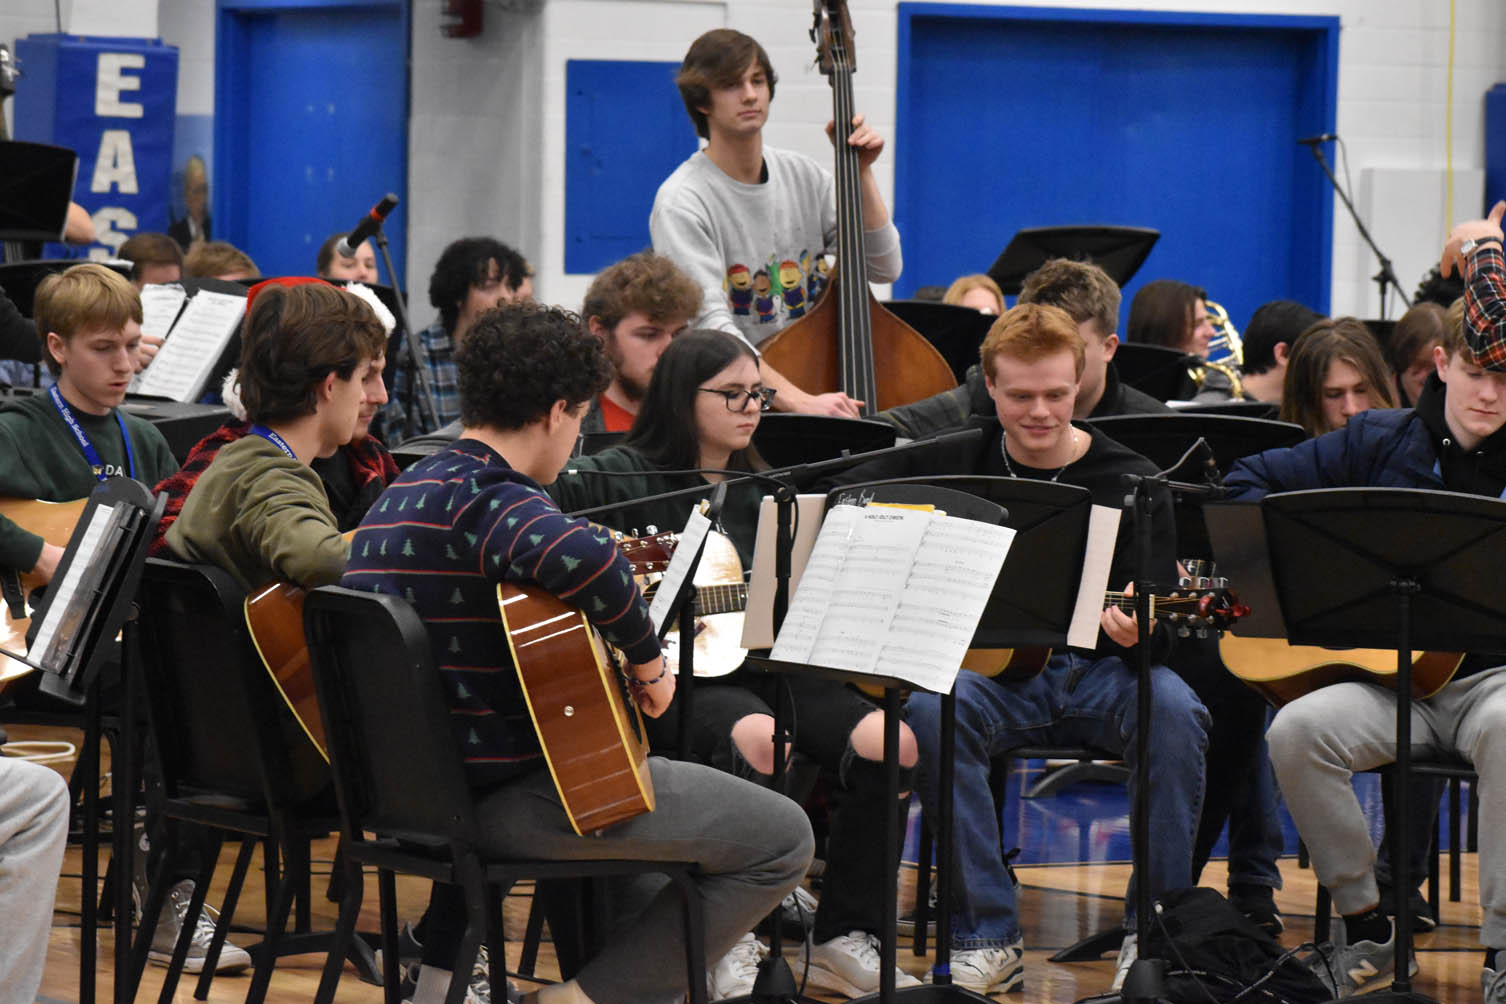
{"x":261,"y":516}
{"x":40,"y":459}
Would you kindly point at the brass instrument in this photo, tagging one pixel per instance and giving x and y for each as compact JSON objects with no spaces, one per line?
{"x":1226,"y":352}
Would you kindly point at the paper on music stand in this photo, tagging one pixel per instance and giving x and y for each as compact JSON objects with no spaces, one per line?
{"x":65,"y":593}
{"x":894,"y":591}
{"x":193,"y":346}
{"x":686,"y":549}
{"x":1103,"y":531}
{"x":160,"y":306}
{"x":758,"y":620}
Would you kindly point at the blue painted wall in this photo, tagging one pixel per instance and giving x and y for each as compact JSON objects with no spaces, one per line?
{"x":625,"y":131}
{"x":1012,"y":117}
{"x":311,"y":125}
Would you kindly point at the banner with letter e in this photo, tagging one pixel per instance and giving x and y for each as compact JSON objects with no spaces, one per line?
{"x":114,"y":101}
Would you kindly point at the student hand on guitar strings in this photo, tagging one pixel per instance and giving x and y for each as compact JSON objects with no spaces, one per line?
{"x":653,"y":687}
{"x":1120,"y":626}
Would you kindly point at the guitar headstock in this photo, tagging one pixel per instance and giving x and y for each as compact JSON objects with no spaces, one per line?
{"x":647,"y":554}
{"x":1201,"y":605}
{"x":832,"y":33}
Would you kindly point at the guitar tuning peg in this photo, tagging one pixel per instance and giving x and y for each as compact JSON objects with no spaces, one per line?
{"x":1182,"y":631}
{"x":1184,"y":582}
{"x":1201,"y":631}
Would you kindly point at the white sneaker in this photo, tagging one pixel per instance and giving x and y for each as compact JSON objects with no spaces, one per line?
{"x":990,"y":970}
{"x":1129,"y":951}
{"x":798,"y":909}
{"x":734,"y":973}
{"x":174,"y":912}
{"x":849,"y":964}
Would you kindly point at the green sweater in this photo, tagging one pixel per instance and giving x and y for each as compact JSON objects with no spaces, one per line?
{"x":581,"y":491}
{"x":261,"y":516}
{"x":40,"y":459}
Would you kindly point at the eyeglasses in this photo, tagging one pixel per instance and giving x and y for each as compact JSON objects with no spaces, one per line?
{"x":738,"y":400}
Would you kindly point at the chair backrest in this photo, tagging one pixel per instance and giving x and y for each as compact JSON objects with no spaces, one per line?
{"x":387,"y":726}
{"x":216,"y":718}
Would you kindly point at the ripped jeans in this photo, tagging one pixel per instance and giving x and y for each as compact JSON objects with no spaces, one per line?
{"x":821,"y":715}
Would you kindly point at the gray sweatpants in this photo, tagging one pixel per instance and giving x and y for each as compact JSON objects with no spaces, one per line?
{"x":752,"y":846}
{"x":1318,"y":741}
{"x":33,"y":833}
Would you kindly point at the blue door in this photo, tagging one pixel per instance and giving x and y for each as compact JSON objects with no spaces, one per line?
{"x":1011,"y":118}
{"x":311,"y":125}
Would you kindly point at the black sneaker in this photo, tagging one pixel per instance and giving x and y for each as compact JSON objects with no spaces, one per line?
{"x":1258,"y":904}
{"x":1423,"y":917}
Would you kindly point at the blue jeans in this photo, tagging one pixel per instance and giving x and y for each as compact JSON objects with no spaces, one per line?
{"x":1077,"y":699}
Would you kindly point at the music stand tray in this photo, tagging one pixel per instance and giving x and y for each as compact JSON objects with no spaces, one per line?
{"x":785,"y":440}
{"x":1119,"y":251}
{"x":1412,"y":563}
{"x":1158,"y":371}
{"x":36,"y":185}
{"x":957,"y":332}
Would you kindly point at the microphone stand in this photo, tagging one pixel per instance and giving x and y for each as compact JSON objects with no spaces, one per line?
{"x":1386,"y":276}
{"x":419,"y":383}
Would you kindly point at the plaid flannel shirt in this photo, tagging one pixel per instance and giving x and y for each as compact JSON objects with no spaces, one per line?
{"x":1485,"y":306}
{"x":437,"y":349}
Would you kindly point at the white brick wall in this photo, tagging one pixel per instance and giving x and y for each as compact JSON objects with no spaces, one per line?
{"x":1392,"y":78}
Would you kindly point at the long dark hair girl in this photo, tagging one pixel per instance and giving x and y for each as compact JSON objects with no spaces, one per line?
{"x":665,"y":430}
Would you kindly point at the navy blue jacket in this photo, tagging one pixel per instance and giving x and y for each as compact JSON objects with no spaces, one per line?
{"x":1381,"y":448}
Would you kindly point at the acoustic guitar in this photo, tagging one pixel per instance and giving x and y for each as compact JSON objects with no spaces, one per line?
{"x":721,"y":597}
{"x":1282,"y":672}
{"x":274,"y":618}
{"x":1197,"y":610}
{"x":54,"y":523}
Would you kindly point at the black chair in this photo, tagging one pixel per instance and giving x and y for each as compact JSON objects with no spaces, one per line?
{"x":233,"y":760}
{"x":398,"y":775}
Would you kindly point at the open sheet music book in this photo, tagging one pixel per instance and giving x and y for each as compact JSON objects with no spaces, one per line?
{"x":893,"y":591}
{"x":197,"y":330}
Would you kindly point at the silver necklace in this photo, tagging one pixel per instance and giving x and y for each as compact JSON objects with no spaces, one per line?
{"x":1004,"y":451}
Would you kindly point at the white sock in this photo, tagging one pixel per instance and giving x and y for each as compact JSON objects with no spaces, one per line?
{"x":433,"y":984}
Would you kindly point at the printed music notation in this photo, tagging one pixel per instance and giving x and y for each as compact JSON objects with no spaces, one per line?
{"x":193,"y":345}
{"x":893,"y":591}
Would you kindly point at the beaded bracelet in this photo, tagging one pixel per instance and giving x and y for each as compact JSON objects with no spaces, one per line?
{"x":633,"y":681}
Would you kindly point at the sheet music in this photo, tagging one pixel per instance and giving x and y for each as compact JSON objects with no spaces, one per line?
{"x":160,"y":305}
{"x":686,"y":549}
{"x":758,"y":619}
{"x":1103,"y":531}
{"x":65,"y":593}
{"x":196,"y":341}
{"x":866,"y":591}
{"x":948,"y":587}
{"x":808,"y":603}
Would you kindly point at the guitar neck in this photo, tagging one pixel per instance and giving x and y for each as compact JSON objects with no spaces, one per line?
{"x":724,"y":598}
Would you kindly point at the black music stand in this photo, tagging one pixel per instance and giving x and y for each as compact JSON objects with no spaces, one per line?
{"x":1269,"y":410}
{"x":1119,"y":251}
{"x":20,"y":279}
{"x":1164,"y":438}
{"x":957,"y":332}
{"x":36,"y":185}
{"x":1413,"y":563}
{"x":1158,"y":371}
{"x":958,"y":503}
{"x":786,"y":440}
{"x":103,"y":593}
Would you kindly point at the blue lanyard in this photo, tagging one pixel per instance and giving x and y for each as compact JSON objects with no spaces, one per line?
{"x":261,"y":430}
{"x":91,"y":455}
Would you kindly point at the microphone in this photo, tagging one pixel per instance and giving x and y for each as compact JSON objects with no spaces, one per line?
{"x":1326,"y":137}
{"x":370,"y":224}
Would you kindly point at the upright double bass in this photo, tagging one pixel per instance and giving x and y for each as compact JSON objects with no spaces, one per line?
{"x":849,"y":341}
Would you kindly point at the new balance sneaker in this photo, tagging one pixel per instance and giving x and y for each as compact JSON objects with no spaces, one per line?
{"x":849,"y":964}
{"x":1129,"y":951}
{"x":174,"y":913}
{"x":1493,"y":986}
{"x":1345,"y":968}
{"x":734,"y":973}
{"x":989,"y":970}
